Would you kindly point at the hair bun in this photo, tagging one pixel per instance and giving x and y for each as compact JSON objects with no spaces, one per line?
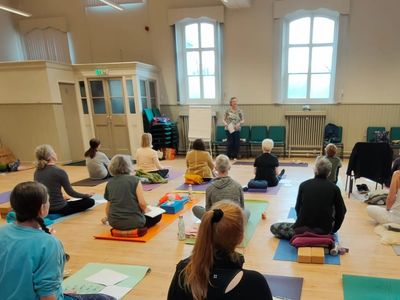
{"x":217,"y":215}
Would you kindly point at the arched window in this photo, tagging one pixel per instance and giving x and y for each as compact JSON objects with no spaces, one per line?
{"x":309,"y":48}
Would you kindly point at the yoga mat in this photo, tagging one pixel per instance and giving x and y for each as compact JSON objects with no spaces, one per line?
{"x":77,"y":281}
{"x":89,"y":182}
{"x":287,"y":252}
{"x":370,"y":288}
{"x":166,"y":220}
{"x":281,"y":164}
{"x":77,"y":163}
{"x":197,"y":188}
{"x":5,"y":197}
{"x":284,"y":287}
{"x":396,"y":249}
{"x":256,"y":208}
{"x":171,"y":176}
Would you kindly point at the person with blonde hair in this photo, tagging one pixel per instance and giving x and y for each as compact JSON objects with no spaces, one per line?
{"x":96,"y":161}
{"x":55,"y":178}
{"x":266,"y":165}
{"x":125,"y":200}
{"x":330,"y":154}
{"x":147,"y":158}
{"x":215,"y":270}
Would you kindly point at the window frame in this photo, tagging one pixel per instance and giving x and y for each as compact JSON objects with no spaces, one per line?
{"x":324,"y":13}
{"x":182,"y":77}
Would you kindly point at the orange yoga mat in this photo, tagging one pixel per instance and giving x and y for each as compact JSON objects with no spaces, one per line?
{"x":166,"y":220}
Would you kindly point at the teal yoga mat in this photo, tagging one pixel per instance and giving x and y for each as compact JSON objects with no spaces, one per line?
{"x":77,"y":281}
{"x":256,"y":207}
{"x":370,"y":288}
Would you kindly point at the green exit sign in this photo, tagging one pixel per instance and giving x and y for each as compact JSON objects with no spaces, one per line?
{"x":100,"y":72}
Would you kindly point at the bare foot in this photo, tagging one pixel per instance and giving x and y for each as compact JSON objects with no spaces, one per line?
{"x":104,"y":220}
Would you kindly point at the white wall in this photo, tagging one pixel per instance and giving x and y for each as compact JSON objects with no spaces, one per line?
{"x":10,"y":43}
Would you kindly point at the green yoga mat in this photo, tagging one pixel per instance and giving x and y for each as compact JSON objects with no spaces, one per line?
{"x":370,"y":288}
{"x":256,"y":208}
{"x":77,"y":281}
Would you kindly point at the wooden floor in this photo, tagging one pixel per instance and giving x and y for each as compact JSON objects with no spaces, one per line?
{"x":367,"y":256}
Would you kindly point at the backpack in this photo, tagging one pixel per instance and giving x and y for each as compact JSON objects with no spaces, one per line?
{"x":331,"y":134}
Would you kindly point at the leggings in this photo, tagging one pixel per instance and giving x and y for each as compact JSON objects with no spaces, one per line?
{"x":73,"y":207}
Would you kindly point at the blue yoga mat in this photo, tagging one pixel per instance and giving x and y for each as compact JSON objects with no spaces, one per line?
{"x":285,"y":251}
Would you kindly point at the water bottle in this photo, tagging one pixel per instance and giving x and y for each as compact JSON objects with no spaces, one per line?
{"x":181,"y":229}
{"x":335,"y":250}
{"x":190,"y":192}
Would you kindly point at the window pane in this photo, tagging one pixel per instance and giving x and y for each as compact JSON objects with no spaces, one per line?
{"x":132,"y":107}
{"x":193,"y":63}
{"x":209,"y":87}
{"x":207,"y":35}
{"x":82,"y":88}
{"x":85,"y":106}
{"x":299,"y":31}
{"x":117,"y":105}
{"x":208,"y":62}
{"x":97,"y":88}
{"x":194,"y":87}
{"x":152,"y":88}
{"x":143,"y":91}
{"x":191,"y":36}
{"x":153,"y":102}
{"x":99,"y":106}
{"x":144,"y":102}
{"x":320,"y":84}
{"x":115,"y":86}
{"x":323,"y":30}
{"x":321,"y":61}
{"x":129,"y":88}
{"x":298,"y":60}
{"x":297,"y":86}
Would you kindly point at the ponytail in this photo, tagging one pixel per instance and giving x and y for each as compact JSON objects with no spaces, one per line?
{"x":94,"y":144}
{"x":43,"y":153}
{"x":42,"y":225}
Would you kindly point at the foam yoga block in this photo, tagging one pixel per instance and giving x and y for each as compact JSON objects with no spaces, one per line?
{"x":317,"y":255}
{"x":304,"y":255}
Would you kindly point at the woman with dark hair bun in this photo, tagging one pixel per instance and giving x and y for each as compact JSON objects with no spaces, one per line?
{"x":215,"y":270}
{"x":96,"y":162}
{"x":32,"y":259}
{"x":199,"y":161}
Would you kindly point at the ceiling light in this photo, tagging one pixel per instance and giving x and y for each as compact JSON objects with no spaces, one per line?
{"x":114,"y":5}
{"x":15,"y":11}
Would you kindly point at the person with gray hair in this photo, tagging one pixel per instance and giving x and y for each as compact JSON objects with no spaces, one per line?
{"x":125,"y":200}
{"x":55,"y":178}
{"x":266,"y":166}
{"x":222,"y":187}
{"x":320,"y":207}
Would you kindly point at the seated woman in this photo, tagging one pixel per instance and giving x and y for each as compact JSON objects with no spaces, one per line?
{"x":147,"y":158}
{"x":390,"y":213}
{"x":215,"y":270}
{"x":126,"y":204}
{"x":222,"y":187}
{"x":320,"y":207}
{"x":28,"y":244}
{"x":199,"y":161}
{"x":55,"y":178}
{"x":331,"y":151}
{"x":266,"y":165}
{"x":96,"y":162}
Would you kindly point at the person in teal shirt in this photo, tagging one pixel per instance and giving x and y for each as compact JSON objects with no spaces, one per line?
{"x":31,"y":259}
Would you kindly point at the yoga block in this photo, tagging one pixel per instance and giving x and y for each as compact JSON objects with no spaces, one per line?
{"x":317,"y":255}
{"x":4,"y":210}
{"x":172,"y":207}
{"x":304,"y":255}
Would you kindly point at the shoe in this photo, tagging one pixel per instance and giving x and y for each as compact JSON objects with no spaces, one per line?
{"x":282,"y":173}
{"x":365,"y":187}
{"x":245,"y":188}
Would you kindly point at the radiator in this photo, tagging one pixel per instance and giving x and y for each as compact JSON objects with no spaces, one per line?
{"x":305,"y":132}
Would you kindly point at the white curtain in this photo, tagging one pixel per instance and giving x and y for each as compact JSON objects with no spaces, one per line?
{"x":47,"y":44}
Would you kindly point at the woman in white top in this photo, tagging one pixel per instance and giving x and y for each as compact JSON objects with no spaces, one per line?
{"x":97,"y":162}
{"x":147,"y":158}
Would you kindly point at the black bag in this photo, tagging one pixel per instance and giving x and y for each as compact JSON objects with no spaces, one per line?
{"x":331,"y":134}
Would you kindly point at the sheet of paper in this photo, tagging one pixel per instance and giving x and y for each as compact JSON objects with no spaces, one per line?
{"x":231,"y":127}
{"x":107,"y":277}
{"x":115,"y":291}
{"x":101,"y":201}
{"x":154,"y":211}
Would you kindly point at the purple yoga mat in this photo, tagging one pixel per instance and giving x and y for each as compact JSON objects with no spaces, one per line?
{"x":5,"y":197}
{"x":270,"y":191}
{"x":284,"y":287}
{"x":195,"y":187}
{"x":171,"y":175}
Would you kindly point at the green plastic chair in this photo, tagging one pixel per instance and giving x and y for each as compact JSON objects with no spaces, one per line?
{"x":371,"y":133}
{"x":147,"y":119}
{"x":156,"y":112}
{"x":338,"y":143}
{"x":394,"y":138}
{"x":257,"y":135}
{"x":220,"y":139}
{"x":245,"y":139}
{"x":278,"y":135}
